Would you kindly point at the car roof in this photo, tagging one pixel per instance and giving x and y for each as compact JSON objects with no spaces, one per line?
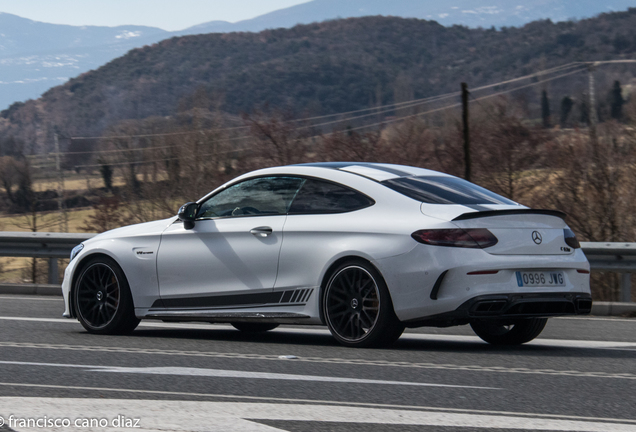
{"x":376,"y":171}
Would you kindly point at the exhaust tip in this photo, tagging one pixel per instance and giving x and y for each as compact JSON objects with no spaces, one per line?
{"x":583,"y":305}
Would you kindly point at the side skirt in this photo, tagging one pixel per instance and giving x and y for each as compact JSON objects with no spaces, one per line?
{"x":227,"y":317}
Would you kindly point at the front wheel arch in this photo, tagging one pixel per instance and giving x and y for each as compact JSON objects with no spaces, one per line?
{"x":78,"y":271}
{"x":103,"y":299}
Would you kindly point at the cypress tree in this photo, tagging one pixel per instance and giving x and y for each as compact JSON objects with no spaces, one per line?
{"x":585,"y":112}
{"x":545,"y":109}
{"x":566,"y":107}
{"x":616,"y":101}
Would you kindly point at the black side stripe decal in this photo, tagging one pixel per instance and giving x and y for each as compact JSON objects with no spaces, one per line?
{"x":286,"y":297}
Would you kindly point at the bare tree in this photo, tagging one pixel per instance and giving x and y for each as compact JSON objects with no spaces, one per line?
{"x":508,"y":153}
{"x":277,"y":140}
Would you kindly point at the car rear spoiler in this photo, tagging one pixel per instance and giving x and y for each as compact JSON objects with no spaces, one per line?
{"x":489,"y":213}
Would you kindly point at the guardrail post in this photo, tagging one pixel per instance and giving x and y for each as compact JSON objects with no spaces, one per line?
{"x":626,"y":287}
{"x":54,"y":272}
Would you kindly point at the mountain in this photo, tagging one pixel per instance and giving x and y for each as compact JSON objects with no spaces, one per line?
{"x":320,"y":68}
{"x":36,"y":56}
{"x":471,"y":13}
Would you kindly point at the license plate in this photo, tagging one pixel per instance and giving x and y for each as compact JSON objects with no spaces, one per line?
{"x":540,"y":278}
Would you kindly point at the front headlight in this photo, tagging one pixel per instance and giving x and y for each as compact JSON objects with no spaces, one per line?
{"x":77,"y":249}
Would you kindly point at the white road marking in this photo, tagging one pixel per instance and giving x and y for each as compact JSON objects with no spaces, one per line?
{"x":49,"y":320}
{"x":222,"y":373}
{"x":269,"y":399}
{"x":561,"y":343}
{"x":161,"y":415}
{"x":11,"y":297}
{"x":596,"y":318}
{"x":354,"y":361}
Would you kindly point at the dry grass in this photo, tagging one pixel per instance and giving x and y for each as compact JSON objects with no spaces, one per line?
{"x":75,"y":182}
{"x":48,"y":221}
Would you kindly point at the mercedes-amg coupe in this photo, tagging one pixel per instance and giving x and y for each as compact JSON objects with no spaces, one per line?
{"x":366,"y":249}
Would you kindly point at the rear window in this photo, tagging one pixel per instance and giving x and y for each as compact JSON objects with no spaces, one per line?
{"x":320,"y":197}
{"x":444,"y":190}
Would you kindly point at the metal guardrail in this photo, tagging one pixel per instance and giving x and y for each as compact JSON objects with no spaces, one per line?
{"x":41,"y":245}
{"x":613,"y":257}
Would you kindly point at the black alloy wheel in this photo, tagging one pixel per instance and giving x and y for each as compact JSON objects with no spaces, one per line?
{"x":103,"y":301}
{"x":358,"y":307}
{"x":515,"y":333}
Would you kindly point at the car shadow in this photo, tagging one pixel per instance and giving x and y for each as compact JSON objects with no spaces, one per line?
{"x":231,"y":335}
{"x":405,"y":344}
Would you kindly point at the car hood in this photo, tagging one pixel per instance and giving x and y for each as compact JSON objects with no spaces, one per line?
{"x":142,"y":229}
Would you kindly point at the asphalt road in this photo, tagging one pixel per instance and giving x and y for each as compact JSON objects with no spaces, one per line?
{"x":579,"y":375}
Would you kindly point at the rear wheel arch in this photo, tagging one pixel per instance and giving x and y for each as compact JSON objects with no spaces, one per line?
{"x":329,"y":273}
{"x":379,"y":328}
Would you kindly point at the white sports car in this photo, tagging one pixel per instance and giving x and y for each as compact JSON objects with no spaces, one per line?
{"x":366,"y":249}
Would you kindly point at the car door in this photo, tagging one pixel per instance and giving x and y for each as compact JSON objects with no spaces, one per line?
{"x":230,"y":257}
{"x":321,"y":223}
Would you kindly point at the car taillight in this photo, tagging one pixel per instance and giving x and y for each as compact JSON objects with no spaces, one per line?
{"x":468,"y":238}
{"x":570,"y":239}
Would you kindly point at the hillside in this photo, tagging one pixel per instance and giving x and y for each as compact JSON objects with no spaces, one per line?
{"x":319,"y":68}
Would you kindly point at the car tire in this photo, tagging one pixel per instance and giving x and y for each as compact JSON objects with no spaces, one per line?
{"x":254,"y":327}
{"x":103,"y":302}
{"x":517,"y":333}
{"x":357,"y":307}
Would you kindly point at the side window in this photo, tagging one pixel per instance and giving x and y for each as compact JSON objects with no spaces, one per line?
{"x":254,"y":197}
{"x":317,"y":196}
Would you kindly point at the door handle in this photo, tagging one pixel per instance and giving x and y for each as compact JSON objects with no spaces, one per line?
{"x":263,"y":231}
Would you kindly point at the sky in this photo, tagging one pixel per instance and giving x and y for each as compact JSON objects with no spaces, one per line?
{"x":169,"y":15}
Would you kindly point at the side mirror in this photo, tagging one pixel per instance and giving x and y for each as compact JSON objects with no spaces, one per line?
{"x":187,"y":213}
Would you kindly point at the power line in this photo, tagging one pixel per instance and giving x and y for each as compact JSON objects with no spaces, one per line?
{"x":377,"y":110}
{"x":581,"y":69}
{"x":544,"y":72}
{"x":390,"y":121}
{"x":477,"y":99}
{"x":402,"y":105}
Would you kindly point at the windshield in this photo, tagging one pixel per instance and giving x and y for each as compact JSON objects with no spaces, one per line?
{"x":444,"y":190}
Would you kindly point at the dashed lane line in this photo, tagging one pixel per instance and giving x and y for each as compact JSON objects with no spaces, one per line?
{"x":34,"y":298}
{"x":325,"y":360}
{"x":236,"y":374}
{"x":595,"y":318}
{"x":540,"y":342}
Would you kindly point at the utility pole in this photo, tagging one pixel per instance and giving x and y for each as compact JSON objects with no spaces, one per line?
{"x":592,"y":109}
{"x":467,"y":163}
{"x":60,"y":187}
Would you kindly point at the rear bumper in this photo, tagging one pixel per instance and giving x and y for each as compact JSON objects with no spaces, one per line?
{"x":511,"y":307}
